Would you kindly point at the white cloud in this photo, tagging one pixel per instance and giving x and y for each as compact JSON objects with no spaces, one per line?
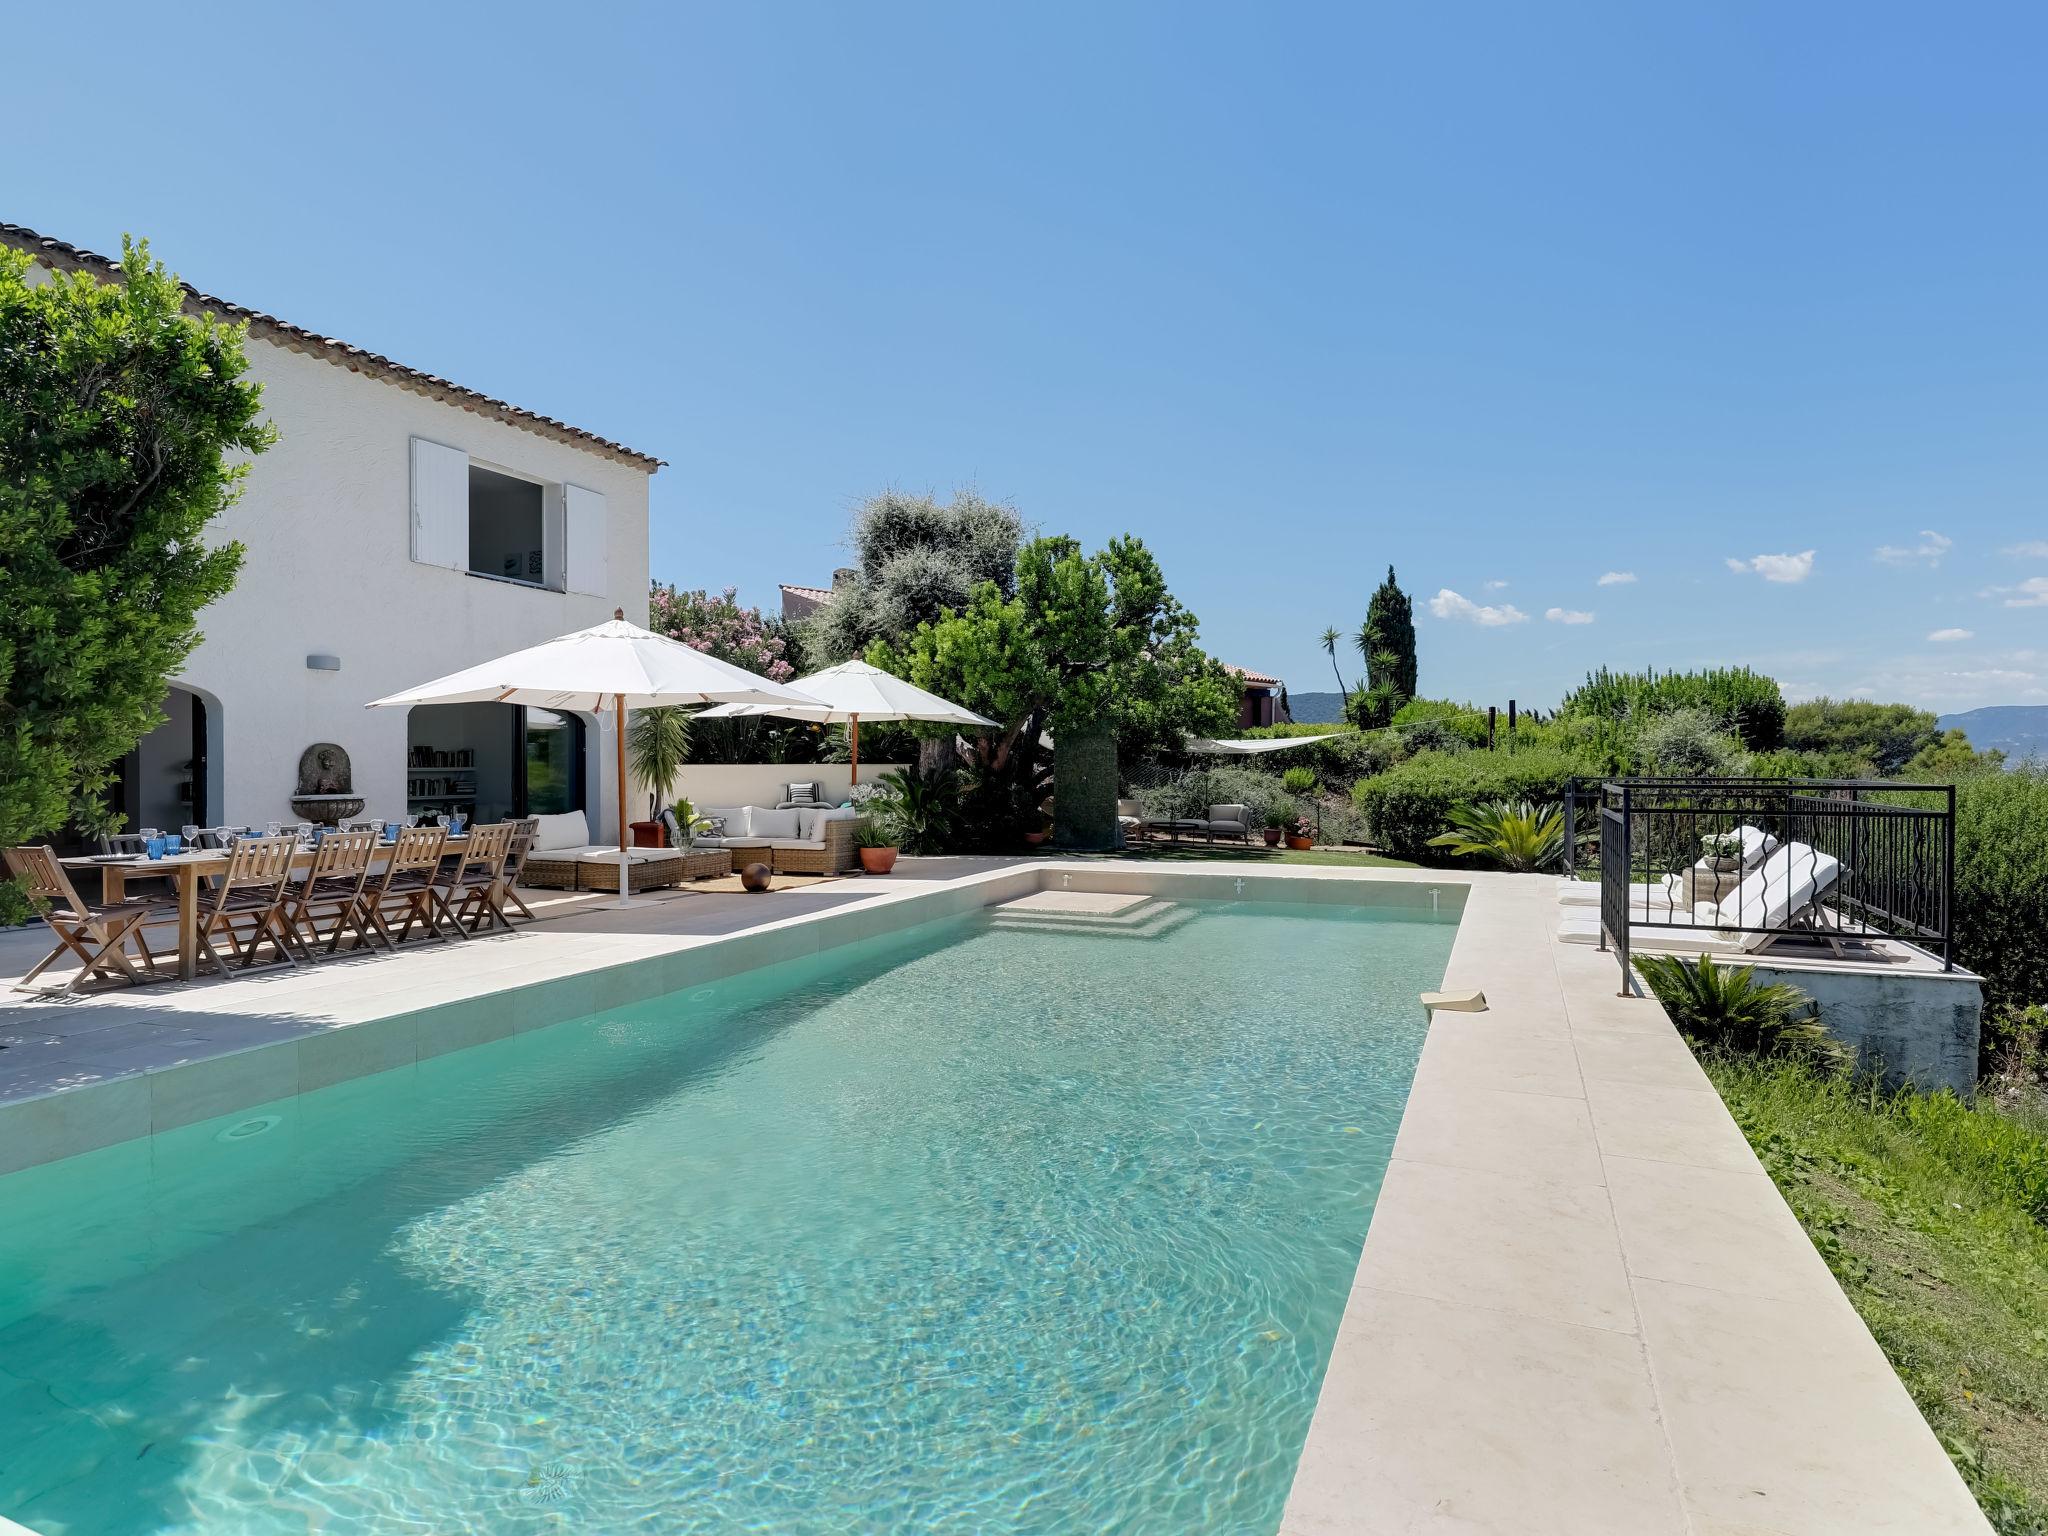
{"x":2030,"y":549}
{"x":1943,"y":636}
{"x":1931,"y":548}
{"x":2031,"y":593}
{"x":1449,"y":605}
{"x":1568,"y":615}
{"x":1616,"y":578}
{"x":1780,"y":568}
{"x":1495,"y":586}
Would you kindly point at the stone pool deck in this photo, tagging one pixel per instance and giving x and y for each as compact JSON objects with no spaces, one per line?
{"x":1582,"y":1306}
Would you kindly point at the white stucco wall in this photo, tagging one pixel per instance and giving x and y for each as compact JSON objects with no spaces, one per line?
{"x":326,"y":519}
{"x":725,"y":784}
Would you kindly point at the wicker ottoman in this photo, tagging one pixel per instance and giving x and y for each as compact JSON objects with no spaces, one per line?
{"x":643,"y":874}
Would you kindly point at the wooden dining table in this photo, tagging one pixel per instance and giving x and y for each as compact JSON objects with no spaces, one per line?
{"x":188,"y":872}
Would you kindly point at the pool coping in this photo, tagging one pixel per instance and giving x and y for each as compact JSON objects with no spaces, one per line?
{"x":1581,"y":1306}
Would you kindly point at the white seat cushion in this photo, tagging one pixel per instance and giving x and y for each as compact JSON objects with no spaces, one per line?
{"x":597,"y":854}
{"x":734,"y":817}
{"x":555,"y":833}
{"x":765,"y":823}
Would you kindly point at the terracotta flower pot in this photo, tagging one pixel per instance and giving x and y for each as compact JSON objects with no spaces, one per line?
{"x":1272,"y":837}
{"x":1036,"y":838}
{"x":878,"y":861}
{"x":1299,"y":844}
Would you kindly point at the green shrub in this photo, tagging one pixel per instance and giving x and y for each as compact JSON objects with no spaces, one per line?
{"x":1299,"y":780}
{"x":1727,"y":1007}
{"x":2001,"y":887}
{"x":1439,"y":721}
{"x":1749,"y":701}
{"x":1688,"y":743}
{"x":1880,"y":738}
{"x":1411,"y":803}
{"x":1514,"y":834}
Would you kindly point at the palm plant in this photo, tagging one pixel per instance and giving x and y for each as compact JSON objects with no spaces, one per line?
{"x":917,"y":808}
{"x":1521,"y":836}
{"x":1330,"y":639}
{"x":1727,"y":1007}
{"x":657,"y":746}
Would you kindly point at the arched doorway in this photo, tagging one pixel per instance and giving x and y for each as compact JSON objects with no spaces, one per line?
{"x":166,"y":782}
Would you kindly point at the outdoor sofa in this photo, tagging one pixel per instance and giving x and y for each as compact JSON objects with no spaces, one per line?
{"x":799,"y":840}
{"x":563,"y":858}
{"x":1233,"y":821}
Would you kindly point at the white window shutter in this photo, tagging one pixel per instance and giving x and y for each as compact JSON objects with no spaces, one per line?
{"x":589,"y":568}
{"x":440,"y":505}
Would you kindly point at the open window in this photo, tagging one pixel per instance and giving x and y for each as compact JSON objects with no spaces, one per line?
{"x":492,"y":522}
{"x":508,"y":528}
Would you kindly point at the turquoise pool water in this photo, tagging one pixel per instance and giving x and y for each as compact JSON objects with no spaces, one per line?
{"x":975,"y":1229}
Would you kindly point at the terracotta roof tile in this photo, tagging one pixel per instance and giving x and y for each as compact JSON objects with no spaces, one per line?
{"x":1256,"y":679}
{"x":55,"y":253}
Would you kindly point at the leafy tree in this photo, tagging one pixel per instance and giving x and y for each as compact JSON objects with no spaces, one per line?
{"x":1749,"y":702}
{"x":1091,"y":648}
{"x":719,"y":625}
{"x":1884,"y":737}
{"x":118,"y":416}
{"x":657,"y":746}
{"x":914,"y":560}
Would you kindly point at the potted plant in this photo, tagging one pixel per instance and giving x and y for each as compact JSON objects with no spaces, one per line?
{"x":657,"y":746}
{"x":877,"y":847}
{"x":1278,"y":820}
{"x":689,"y":823}
{"x":1301,"y":834}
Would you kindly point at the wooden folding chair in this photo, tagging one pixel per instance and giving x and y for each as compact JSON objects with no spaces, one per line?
{"x":248,"y":903}
{"x":333,"y":892}
{"x":95,"y":932}
{"x":524,"y":831}
{"x":407,"y":887}
{"x":469,"y":892}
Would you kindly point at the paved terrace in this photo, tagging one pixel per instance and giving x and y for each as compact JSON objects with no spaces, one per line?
{"x":1582,"y":1306}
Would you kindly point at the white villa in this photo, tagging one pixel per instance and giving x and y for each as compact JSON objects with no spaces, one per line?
{"x":401,"y":528}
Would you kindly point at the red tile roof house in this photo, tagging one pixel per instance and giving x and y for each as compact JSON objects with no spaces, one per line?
{"x":1261,"y":703}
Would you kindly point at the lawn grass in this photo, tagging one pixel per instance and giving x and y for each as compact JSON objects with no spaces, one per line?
{"x":1169,"y":852}
{"x":1934,"y":1218}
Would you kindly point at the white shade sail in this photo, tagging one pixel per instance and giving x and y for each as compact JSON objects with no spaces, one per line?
{"x":602,"y":669}
{"x":853,"y":690}
{"x":1253,"y":746}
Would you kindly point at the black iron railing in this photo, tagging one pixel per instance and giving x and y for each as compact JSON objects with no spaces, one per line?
{"x":1751,"y":861}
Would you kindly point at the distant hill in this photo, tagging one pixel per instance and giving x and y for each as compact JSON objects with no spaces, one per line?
{"x":2017,"y":730}
{"x":1325,"y":708}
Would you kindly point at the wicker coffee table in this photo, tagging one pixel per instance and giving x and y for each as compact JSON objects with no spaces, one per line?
{"x":706,"y":863}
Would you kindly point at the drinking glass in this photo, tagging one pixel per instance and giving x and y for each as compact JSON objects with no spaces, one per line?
{"x":455,"y":824}
{"x":174,"y":842}
{"x":154,"y":847}
{"x":190,"y":834}
{"x":412,"y":819}
{"x":275,"y":829}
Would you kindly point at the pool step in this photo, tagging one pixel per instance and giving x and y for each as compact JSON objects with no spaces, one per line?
{"x":1138,"y":918}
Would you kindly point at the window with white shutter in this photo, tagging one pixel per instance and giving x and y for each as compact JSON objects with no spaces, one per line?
{"x":589,"y":568}
{"x":440,"y":505}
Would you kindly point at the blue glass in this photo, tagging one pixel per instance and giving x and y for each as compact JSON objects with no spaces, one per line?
{"x":390,"y":831}
{"x":154,"y":847}
{"x":173,"y":843}
{"x":455,"y":825}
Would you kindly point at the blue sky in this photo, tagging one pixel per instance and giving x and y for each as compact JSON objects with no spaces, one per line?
{"x":1509,"y":296}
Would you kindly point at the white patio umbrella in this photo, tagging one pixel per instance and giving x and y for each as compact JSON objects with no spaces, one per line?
{"x":852,"y":692}
{"x":610,"y":667}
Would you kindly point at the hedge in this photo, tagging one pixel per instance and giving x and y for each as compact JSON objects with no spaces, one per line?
{"x":2001,"y":888}
{"x":1408,"y":805}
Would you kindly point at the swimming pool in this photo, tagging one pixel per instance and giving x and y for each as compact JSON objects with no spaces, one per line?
{"x":983,"y":1227}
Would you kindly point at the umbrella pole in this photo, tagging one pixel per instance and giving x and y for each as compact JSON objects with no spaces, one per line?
{"x":625,"y":879}
{"x":853,"y":734}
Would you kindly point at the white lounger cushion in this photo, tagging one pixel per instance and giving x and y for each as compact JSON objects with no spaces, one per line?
{"x":1586,"y":893}
{"x":559,"y":834}
{"x":1778,"y":890}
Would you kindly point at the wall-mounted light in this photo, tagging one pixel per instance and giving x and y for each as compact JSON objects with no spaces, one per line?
{"x":318,"y":663}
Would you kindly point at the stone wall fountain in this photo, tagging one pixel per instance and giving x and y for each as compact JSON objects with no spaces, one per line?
{"x":326,"y":784}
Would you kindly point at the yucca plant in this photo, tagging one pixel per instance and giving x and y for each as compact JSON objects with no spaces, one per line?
{"x":1727,"y":1007}
{"x":657,"y":746}
{"x":1515,"y":833}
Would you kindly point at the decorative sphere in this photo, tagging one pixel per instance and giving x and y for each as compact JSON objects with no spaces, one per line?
{"x":755,"y":877}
